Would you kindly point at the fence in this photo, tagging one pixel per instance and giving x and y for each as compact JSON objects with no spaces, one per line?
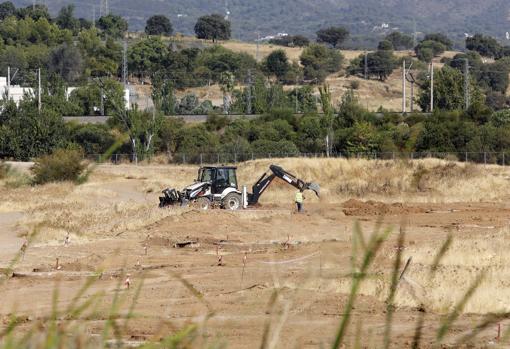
{"x":494,"y":158}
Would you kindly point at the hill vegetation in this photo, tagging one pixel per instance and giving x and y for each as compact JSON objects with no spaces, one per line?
{"x":299,"y":113}
{"x":363,"y":18}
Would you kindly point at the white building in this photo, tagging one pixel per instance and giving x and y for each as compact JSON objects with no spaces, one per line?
{"x":16,"y":93}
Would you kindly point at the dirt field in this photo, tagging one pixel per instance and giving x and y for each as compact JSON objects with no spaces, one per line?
{"x":115,"y":226}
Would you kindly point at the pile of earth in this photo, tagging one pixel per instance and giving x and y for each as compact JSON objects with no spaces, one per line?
{"x":354,"y":207}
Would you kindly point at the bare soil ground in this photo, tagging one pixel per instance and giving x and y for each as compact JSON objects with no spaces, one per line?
{"x":116,"y":227}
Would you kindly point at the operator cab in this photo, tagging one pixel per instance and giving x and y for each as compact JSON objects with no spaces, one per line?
{"x":220,"y":178}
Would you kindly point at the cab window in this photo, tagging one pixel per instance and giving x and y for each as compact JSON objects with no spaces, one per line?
{"x":232,"y":179}
{"x":206,"y":175}
{"x":222,"y":179}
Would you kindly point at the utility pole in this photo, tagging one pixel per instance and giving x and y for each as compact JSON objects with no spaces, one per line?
{"x":8,"y":82}
{"x":104,"y":9}
{"x":248,"y":94}
{"x":431,"y":87}
{"x":93,"y":16}
{"x":404,"y":104}
{"x":467,"y":98}
{"x":39,"y":89}
{"x":410,"y":78}
{"x":257,"y":57}
{"x":296,"y":95}
{"x":102,"y":101}
{"x":366,"y":66}
{"x":414,"y":33}
{"x":124,"y":64}
{"x":412,"y":95}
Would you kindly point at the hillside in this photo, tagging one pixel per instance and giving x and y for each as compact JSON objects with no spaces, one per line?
{"x":372,"y":94}
{"x":365,"y":17}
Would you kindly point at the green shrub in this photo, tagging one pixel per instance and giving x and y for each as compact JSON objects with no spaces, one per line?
{"x":4,"y":170}
{"x":272,"y":148}
{"x":354,"y":84}
{"x":13,"y":178}
{"x":62,"y":165}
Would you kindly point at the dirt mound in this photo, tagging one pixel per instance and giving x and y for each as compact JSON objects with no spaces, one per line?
{"x":354,"y":207}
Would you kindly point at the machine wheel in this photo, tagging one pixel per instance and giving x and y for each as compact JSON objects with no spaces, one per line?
{"x":202,"y":203}
{"x":232,"y":201}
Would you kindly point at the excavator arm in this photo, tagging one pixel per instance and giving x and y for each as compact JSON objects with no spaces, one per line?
{"x":277,"y":171}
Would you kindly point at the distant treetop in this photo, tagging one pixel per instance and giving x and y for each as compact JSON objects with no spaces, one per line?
{"x":333,"y":36}
{"x":213,"y":27}
{"x":158,"y":25}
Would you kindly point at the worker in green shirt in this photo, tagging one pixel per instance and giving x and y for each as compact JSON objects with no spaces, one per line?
{"x":299,"y":201}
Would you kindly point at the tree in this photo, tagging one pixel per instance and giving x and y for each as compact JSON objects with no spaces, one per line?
{"x":494,"y":76}
{"x":142,"y":127}
{"x":167,"y":136}
{"x":385,"y":45}
{"x":380,"y":64}
{"x":274,"y":148}
{"x":300,"y":41}
{"x":92,"y":138}
{"x":213,"y":27}
{"x":428,"y":49}
{"x":219,"y":60}
{"x":101,"y":58}
{"x":227,"y":83}
{"x":350,"y":111}
{"x":291,"y":41}
{"x":66,"y":61}
{"x":449,"y":91}
{"x":30,"y":132}
{"x":311,"y":134}
{"x":362,"y":138}
{"x":333,"y":36}
{"x":328,"y":118}
{"x":195,"y":140}
{"x":459,"y":60}
{"x":34,"y":12}
{"x":7,"y":9}
{"x":501,"y":118}
{"x":484,"y":45}
{"x":88,"y":97}
{"x":66,"y":19}
{"x":146,"y":56}
{"x":163,"y":94}
{"x":441,"y":38}
{"x":400,"y":41}
{"x":158,"y":25}
{"x":319,"y":61}
{"x":112,"y":25}
{"x":277,"y":63}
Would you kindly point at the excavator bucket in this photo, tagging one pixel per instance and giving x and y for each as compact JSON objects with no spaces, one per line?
{"x":316,"y":188}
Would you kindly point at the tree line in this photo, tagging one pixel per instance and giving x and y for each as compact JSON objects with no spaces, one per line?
{"x":89,"y":55}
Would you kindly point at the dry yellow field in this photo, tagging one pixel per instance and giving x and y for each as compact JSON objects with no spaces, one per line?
{"x":114,"y":225}
{"x":372,"y":94}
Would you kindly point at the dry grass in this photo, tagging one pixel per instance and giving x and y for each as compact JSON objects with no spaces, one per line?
{"x":464,"y":260}
{"x":372,"y":94}
{"x":427,"y":180}
{"x":124,"y":198}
